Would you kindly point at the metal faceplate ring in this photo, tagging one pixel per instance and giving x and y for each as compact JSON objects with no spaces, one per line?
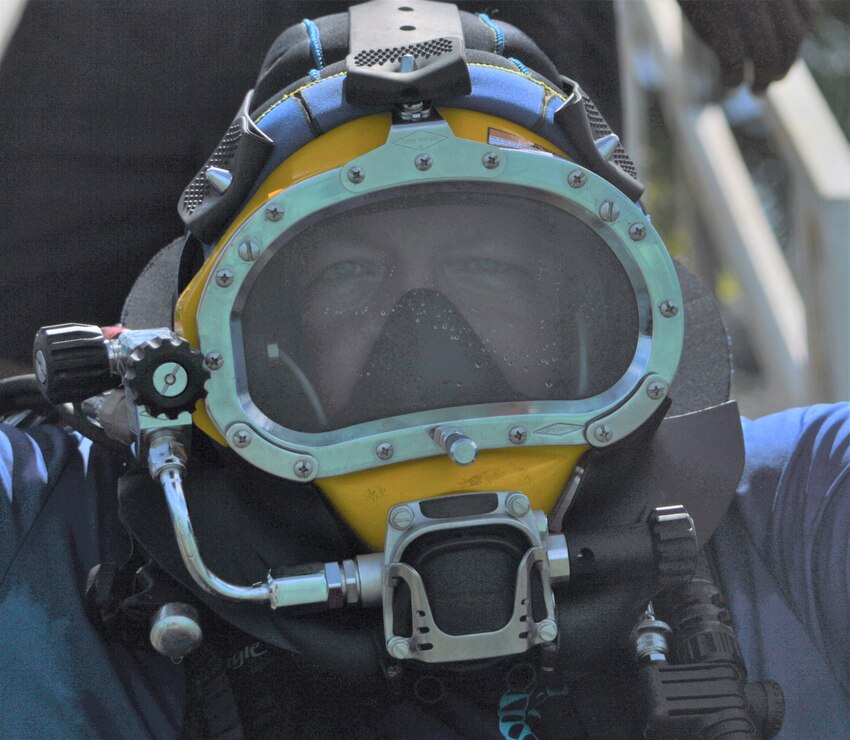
{"x":598,"y":421}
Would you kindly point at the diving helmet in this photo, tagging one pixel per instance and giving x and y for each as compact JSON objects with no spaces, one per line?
{"x":431,"y":374}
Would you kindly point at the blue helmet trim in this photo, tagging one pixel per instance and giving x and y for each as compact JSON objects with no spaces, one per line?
{"x":320,"y":106}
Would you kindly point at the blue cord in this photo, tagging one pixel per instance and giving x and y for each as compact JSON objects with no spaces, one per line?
{"x":497,"y":32}
{"x":315,"y":42}
{"x":519,"y":65}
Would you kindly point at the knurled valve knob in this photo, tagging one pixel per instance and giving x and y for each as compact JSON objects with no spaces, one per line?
{"x":72,"y":362}
{"x":166,"y":376}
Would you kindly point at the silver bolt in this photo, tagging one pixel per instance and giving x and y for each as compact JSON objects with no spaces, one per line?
{"x":303,"y":469}
{"x":609,"y":211}
{"x":385,"y":451}
{"x":398,"y":648}
{"x":401,"y":517}
{"x":356,"y":175}
{"x":668,"y":308}
{"x":224,"y":278}
{"x":547,"y":630}
{"x":248,"y":250}
{"x":241,"y":438}
{"x":638,"y":232}
{"x":518,"y":435}
{"x":40,"y":367}
{"x":518,"y":504}
{"x":214,"y":360}
{"x":656,"y":390}
{"x":490,"y":160}
{"x":603,"y":433}
{"x":577,"y":179}
{"x":274,"y":212}
{"x":423,"y":162}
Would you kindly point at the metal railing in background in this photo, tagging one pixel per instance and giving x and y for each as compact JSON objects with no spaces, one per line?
{"x":10,"y":14}
{"x":795,"y":295}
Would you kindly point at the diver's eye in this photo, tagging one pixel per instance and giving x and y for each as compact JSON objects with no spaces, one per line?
{"x":346,"y":270}
{"x":489,"y":272}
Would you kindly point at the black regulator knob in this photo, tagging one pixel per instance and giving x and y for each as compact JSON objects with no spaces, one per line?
{"x":166,"y":376}
{"x":72,"y":362}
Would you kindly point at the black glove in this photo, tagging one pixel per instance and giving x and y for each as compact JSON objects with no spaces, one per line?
{"x":767,"y":33}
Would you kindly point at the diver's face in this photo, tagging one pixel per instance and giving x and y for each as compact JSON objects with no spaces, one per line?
{"x":503,"y":287}
{"x":435,"y":300}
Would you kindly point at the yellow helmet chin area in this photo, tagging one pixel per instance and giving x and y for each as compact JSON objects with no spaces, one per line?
{"x":363,"y":499}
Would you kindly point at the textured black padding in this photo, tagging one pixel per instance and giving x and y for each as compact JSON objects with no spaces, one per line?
{"x":290,"y":58}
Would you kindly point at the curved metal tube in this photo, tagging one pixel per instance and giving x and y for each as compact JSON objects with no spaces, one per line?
{"x":172,"y":485}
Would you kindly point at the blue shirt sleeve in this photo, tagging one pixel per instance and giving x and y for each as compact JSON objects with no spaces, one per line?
{"x":59,"y":677}
{"x":794,"y":498}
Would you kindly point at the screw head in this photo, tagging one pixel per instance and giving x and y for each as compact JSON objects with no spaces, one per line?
{"x":638,"y":231}
{"x":393,"y":671}
{"x":491,"y":160}
{"x":401,"y":517}
{"x":603,"y":433}
{"x":547,"y":630}
{"x":385,"y":450}
{"x":40,"y":367}
{"x":577,"y":179}
{"x":668,"y":308}
{"x":609,"y":211}
{"x":248,"y":250}
{"x":656,"y":390}
{"x":398,"y":648}
{"x":274,"y":212}
{"x":241,"y":438}
{"x":423,"y":162}
{"x":214,"y":360}
{"x":518,"y":504}
{"x":518,"y":435}
{"x":356,"y":175}
{"x":170,"y":379}
{"x":303,"y":469}
{"x":224,"y":278}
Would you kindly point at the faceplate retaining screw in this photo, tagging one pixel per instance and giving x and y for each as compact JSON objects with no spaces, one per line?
{"x":518,"y":435}
{"x":656,"y":390}
{"x":547,"y":630}
{"x":241,"y":438}
{"x":401,"y":517}
{"x":303,"y":468}
{"x":518,"y":504}
{"x":638,"y":232}
{"x":577,"y":179}
{"x":385,"y":451}
{"x":248,"y":250}
{"x":490,"y":160}
{"x":214,"y":360}
{"x":398,"y":648}
{"x":274,"y":213}
{"x":423,"y":162}
{"x":668,"y":308}
{"x":609,"y":211}
{"x":356,"y":175}
{"x":603,"y":433}
{"x":224,"y":278}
